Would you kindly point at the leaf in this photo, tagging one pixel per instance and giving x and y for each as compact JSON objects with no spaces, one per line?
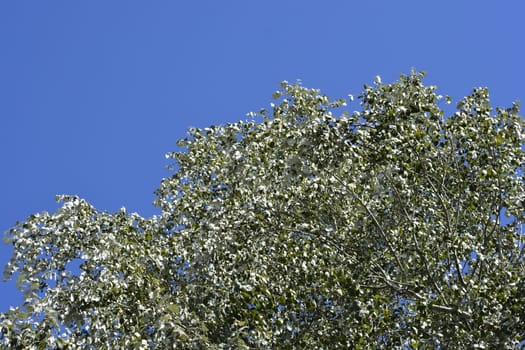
{"x":173,"y":308}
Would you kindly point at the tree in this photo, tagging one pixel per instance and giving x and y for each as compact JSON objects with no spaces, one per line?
{"x":390,"y":227}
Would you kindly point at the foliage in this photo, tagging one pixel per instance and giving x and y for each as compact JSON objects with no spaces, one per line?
{"x":390,"y":227}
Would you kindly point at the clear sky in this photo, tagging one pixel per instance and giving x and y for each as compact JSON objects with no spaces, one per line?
{"x":94,"y":93}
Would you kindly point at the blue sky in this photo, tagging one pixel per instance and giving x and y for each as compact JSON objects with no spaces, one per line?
{"x":94,"y":93}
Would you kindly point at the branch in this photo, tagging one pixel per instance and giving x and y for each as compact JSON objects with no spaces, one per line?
{"x":449,"y":228}
{"x":376,"y":223}
{"x":399,"y":287}
{"x":414,"y":237}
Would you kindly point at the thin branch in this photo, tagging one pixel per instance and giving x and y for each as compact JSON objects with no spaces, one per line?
{"x":399,"y":287}
{"x":449,"y":229}
{"x":414,"y":237}
{"x":376,"y":223}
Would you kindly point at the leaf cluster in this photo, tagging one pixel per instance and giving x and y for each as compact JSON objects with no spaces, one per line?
{"x":390,"y":227}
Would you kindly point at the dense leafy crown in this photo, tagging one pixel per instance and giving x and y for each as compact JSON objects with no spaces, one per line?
{"x":392,"y":227}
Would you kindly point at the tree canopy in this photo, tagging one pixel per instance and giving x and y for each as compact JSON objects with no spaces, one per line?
{"x":395,"y":226}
